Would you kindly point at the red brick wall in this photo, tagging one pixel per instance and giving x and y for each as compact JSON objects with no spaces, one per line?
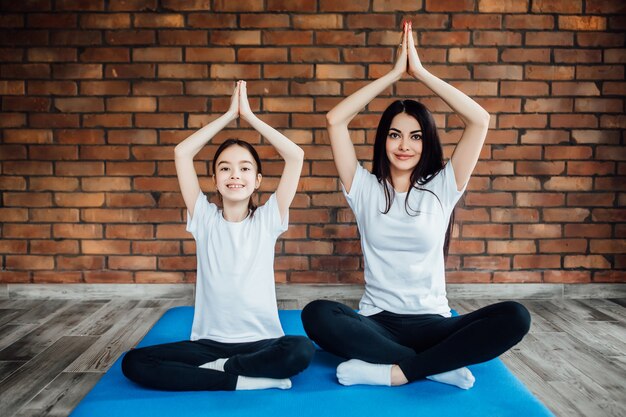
{"x":96,"y":94}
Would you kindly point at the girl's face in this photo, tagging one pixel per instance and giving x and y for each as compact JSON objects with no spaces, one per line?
{"x":404,"y":143}
{"x":236,"y":175}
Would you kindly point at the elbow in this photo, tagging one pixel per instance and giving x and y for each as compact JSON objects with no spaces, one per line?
{"x":479,"y":120}
{"x":331,"y":119}
{"x":179,"y":151}
{"x":292,"y":154}
{"x":294,"y":158}
{"x":335,"y":120}
{"x":299,"y":154}
{"x":485,"y":119}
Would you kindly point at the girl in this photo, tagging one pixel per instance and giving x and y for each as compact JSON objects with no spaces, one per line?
{"x":404,"y":330}
{"x":237,"y":342}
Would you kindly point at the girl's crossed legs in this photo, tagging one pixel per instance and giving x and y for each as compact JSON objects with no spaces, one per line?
{"x":206,"y":365}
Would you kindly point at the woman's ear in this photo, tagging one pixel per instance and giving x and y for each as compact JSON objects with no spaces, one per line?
{"x":257,"y":184}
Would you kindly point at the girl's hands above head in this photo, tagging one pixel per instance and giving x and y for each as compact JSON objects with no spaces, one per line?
{"x":401,"y":65}
{"x":415,"y":65}
{"x":233,"y":110}
{"x":244,"y":106}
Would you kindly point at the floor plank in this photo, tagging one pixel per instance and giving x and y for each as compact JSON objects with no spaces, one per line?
{"x":21,"y":386}
{"x":49,"y":331}
{"x":106,"y":317}
{"x":120,"y":338}
{"x":609,"y":307}
{"x":8,"y":367}
{"x":619,"y":301}
{"x":560,"y":405}
{"x":10,"y":333}
{"x":592,"y":364}
{"x":8,"y":314}
{"x":42,"y":312}
{"x":60,"y":396}
{"x":24,"y":304}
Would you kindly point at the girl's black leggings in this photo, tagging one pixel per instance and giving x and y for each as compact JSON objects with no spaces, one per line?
{"x":422,"y":344}
{"x":175,"y":366}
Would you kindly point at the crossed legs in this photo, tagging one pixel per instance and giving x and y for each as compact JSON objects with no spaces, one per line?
{"x":420,"y":346}
{"x":185,"y":366}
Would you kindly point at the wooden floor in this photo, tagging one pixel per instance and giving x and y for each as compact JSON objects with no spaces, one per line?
{"x":52,"y":352}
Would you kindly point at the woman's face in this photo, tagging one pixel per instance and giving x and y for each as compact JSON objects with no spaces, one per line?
{"x":236,"y":175}
{"x":404,"y":143}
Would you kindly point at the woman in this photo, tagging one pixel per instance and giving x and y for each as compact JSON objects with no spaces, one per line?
{"x":237,"y":342}
{"x":404,"y":330}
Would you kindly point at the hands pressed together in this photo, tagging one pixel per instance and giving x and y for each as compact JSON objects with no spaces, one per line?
{"x":239,"y":105}
{"x":408,"y":60}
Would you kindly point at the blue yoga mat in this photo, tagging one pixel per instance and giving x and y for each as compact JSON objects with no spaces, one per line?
{"x":315,"y":392}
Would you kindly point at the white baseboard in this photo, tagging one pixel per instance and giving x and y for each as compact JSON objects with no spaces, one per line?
{"x":100,"y":291}
{"x":307,"y":292}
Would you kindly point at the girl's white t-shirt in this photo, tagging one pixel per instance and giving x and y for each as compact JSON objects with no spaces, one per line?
{"x":235,"y":292}
{"x":404,"y":263}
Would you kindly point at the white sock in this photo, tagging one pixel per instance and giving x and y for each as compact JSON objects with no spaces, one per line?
{"x":461,"y":378}
{"x":355,"y":372}
{"x":216,"y":365}
{"x":250,"y":383}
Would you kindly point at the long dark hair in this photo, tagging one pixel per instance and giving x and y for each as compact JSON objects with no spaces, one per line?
{"x":232,"y":142}
{"x":430,"y":163}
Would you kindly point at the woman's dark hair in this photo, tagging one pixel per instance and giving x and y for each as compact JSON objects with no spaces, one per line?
{"x":430,"y":163}
{"x":232,"y":142}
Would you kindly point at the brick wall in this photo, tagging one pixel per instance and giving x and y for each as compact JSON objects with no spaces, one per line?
{"x":95,"y":94}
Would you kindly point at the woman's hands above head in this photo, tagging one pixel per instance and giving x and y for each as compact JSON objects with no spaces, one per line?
{"x":408,"y":60}
{"x":401,"y":65}
{"x":415,"y":67}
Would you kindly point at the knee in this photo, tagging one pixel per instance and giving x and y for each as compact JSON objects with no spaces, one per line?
{"x":318,"y":313}
{"x":315,"y":309}
{"x":130,"y":364}
{"x":518,"y":319}
{"x":299,"y":352}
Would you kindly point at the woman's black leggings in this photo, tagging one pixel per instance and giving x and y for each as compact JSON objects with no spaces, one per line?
{"x":422,"y":344}
{"x":175,"y":366}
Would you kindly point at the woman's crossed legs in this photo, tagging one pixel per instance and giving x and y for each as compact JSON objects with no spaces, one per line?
{"x":413,"y":347}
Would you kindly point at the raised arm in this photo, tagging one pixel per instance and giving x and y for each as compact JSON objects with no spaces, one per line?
{"x":476,"y":118}
{"x":338,"y":118}
{"x":289,"y":151}
{"x":188,"y":148}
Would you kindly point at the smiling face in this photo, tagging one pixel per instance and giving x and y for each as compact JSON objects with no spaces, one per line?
{"x":404,"y":143}
{"x":236,"y":175}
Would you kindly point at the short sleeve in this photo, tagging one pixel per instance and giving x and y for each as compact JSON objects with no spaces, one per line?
{"x":445,"y":187}
{"x":356,"y":189}
{"x":269,"y":215}
{"x":203,"y":212}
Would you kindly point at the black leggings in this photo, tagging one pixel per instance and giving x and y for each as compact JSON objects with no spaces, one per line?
{"x":421,"y":344}
{"x":175,"y":366}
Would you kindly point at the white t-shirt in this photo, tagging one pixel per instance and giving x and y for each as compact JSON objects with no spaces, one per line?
{"x":404,"y":263}
{"x":235,"y":293}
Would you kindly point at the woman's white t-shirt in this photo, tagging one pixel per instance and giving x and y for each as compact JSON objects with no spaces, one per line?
{"x":235,"y":293}
{"x":404,"y":263}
